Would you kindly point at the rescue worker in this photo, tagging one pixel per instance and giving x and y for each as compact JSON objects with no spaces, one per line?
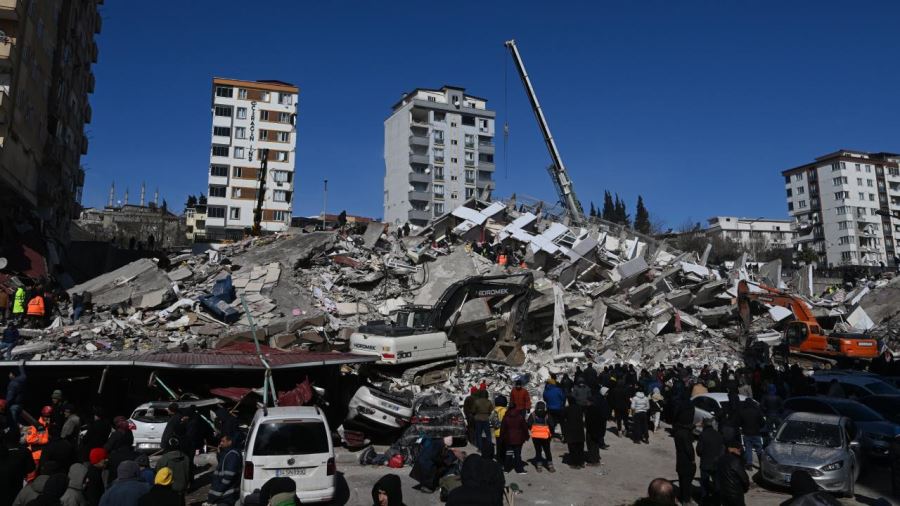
{"x":36,"y":311}
{"x":520,"y":397}
{"x":539,"y":428}
{"x":227,"y":476}
{"x":496,"y":421}
{"x":18,"y":311}
{"x":37,"y":436}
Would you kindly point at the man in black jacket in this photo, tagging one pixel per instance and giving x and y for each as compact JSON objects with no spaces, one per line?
{"x":731,"y":478}
{"x":619,"y":402}
{"x":685,"y":464}
{"x":573,"y":430}
{"x":710,"y":446}
{"x":752,"y":424}
{"x":482,"y":483}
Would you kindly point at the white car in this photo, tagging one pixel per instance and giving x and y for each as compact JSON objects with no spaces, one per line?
{"x":709,"y":405}
{"x":148,"y":421}
{"x":293,"y":442}
{"x":370,"y":405}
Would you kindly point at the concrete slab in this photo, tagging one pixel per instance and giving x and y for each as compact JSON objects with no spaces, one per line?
{"x":351,"y":308}
{"x":180,"y":274}
{"x":121,"y":285}
{"x":770,"y":273}
{"x":373,"y":232}
{"x":254,"y":286}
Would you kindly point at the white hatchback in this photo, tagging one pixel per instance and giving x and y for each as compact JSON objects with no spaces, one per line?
{"x":294,"y":442}
{"x":148,"y":421}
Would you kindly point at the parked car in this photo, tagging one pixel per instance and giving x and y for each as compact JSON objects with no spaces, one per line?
{"x":709,"y":405}
{"x":436,"y":416}
{"x":379,"y":411}
{"x":148,"y":421}
{"x":822,"y":445}
{"x":854,"y":385}
{"x":293,"y":442}
{"x":887,"y":406}
{"x":876,"y":433}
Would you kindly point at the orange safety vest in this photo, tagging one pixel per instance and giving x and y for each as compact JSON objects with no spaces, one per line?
{"x":501,"y":260}
{"x":36,"y":438}
{"x":541,"y":431}
{"x":36,"y":306}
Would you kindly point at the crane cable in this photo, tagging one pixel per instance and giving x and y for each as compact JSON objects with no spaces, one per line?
{"x":505,"y":116}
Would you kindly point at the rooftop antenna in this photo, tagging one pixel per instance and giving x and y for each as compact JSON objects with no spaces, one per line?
{"x":126,"y":196}
{"x":142,"y":193}
{"x":156,"y":197}
{"x":112,"y":194}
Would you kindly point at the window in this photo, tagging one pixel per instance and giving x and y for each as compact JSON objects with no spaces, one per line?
{"x":843,"y":166}
{"x":453,"y":160}
{"x":470,"y":141}
{"x":438,"y":173}
{"x":438,"y":190}
{"x":432,"y":99}
{"x":841,"y":195}
{"x":224,"y":91}
{"x":234,"y":213}
{"x":894,"y":171}
{"x":281,"y":156}
{"x":223,"y":110}
{"x":440,"y":116}
{"x":790,"y":206}
{"x":470,"y":158}
{"x":483,"y":125}
{"x":238,"y":152}
{"x":438,"y":154}
{"x":801,"y":204}
{"x":438,"y":136}
{"x":844,"y":240}
{"x":242,"y":93}
{"x":240,"y":133}
{"x":801,"y":190}
{"x":216,"y":191}
{"x":836,"y":167}
{"x":218,"y":170}
{"x":280,"y":216}
{"x":470,"y":192}
{"x":470,"y":176}
{"x":284,"y":117}
{"x":438,"y":208}
{"x":218,"y":150}
{"x":237,"y":172}
{"x":868,"y":169}
{"x":281,"y":176}
{"x":844,"y":225}
{"x":241,"y":113}
{"x":839,"y":181}
{"x":842,"y":210}
{"x":869,"y":183}
{"x":285,"y":99}
{"x":873,"y":211}
{"x":468,"y":121}
{"x":789,"y":192}
{"x":857,"y":167}
{"x":281,"y":196}
{"x":453,"y":142}
{"x":452,"y":123}
{"x":264,"y":115}
{"x":454,"y":195}
{"x":215,"y":212}
{"x":846,"y":256}
{"x":263,"y":134}
{"x":859,"y":181}
{"x":862,"y":196}
{"x":295,"y":437}
{"x":241,"y":192}
{"x":222,"y":131}
{"x":453,"y":178}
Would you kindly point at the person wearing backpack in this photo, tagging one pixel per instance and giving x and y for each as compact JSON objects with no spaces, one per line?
{"x":496,"y":420}
{"x":539,"y":428}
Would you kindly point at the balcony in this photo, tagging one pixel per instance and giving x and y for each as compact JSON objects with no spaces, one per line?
{"x":419,"y":177}
{"x":418,"y":140}
{"x":420,"y":214}
{"x":484,"y":183}
{"x":417,"y":158}
{"x":486,"y":166}
{"x":420,"y":196}
{"x":487,"y":148}
{"x":419,"y":123}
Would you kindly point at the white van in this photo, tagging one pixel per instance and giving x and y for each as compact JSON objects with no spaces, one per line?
{"x":294,"y":442}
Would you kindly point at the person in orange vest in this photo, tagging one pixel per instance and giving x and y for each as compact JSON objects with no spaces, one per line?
{"x":36,"y":310}
{"x":502,"y":259}
{"x":539,"y":428}
{"x":37,"y":436}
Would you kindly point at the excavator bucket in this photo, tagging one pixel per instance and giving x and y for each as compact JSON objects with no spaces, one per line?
{"x":509,"y":351}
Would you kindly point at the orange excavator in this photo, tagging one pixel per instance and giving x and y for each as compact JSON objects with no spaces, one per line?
{"x":804,"y":335}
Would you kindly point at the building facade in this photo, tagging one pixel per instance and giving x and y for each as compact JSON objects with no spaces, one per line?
{"x":753,"y":233}
{"x":438,"y":153}
{"x":251,"y":120}
{"x":46,"y":53}
{"x":846,"y":207}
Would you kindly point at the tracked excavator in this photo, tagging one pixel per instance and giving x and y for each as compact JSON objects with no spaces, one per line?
{"x":427,"y":333}
{"x":804,"y":338}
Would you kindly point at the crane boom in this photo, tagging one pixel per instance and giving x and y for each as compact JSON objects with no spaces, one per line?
{"x":558,"y":173}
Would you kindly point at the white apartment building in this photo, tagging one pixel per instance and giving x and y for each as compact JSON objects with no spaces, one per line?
{"x":753,"y":233}
{"x":251,"y":119}
{"x":438,"y":153}
{"x":846,"y":207}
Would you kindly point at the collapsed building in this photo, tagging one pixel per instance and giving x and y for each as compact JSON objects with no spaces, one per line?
{"x":597,"y":293}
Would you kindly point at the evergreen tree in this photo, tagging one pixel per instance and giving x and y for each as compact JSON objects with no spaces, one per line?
{"x":621,"y":213}
{"x":593,"y":212}
{"x":641,"y":217}
{"x":191,"y":201}
{"x":609,"y":211}
{"x":202,"y":200}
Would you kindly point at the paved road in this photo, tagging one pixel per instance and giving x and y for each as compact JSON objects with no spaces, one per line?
{"x":622,"y":477}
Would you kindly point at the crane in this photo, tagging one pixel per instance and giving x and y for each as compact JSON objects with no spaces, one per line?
{"x":558,"y":173}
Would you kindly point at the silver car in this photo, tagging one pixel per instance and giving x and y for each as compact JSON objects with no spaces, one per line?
{"x":822,"y":445}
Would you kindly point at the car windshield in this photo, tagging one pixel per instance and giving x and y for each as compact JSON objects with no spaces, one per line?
{"x":880,"y":388}
{"x":810,"y":433}
{"x":858,"y":412}
{"x":290,"y":437}
{"x":150,"y":415}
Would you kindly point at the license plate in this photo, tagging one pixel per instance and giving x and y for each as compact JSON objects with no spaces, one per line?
{"x":787,"y":479}
{"x":294,"y":471}
{"x":388,"y":405}
{"x":865,"y":344}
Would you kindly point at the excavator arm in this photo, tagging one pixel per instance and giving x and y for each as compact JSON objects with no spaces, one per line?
{"x":774,"y":297}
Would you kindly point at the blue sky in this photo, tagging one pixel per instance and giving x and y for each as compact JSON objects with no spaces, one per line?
{"x":697,"y":106}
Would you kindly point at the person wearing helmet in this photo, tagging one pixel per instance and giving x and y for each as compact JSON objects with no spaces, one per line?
{"x":37,"y":436}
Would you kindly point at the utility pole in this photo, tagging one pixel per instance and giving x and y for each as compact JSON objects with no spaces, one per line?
{"x":324,"y":204}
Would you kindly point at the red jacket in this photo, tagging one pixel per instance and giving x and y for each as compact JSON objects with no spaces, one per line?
{"x":513,"y":428}
{"x":521,"y":398}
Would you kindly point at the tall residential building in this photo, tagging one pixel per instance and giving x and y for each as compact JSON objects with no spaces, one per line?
{"x":251,"y":119}
{"x":438,"y":153}
{"x":753,"y":233}
{"x":46,"y":53}
{"x":846,"y":207}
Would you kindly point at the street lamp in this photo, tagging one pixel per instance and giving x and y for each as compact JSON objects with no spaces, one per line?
{"x":752,"y":242}
{"x":324,"y":204}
